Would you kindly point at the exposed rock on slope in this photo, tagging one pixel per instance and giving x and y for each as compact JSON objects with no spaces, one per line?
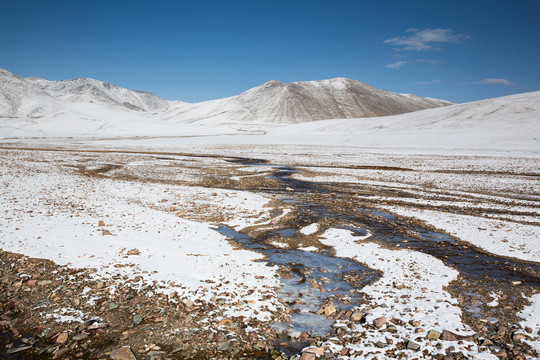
{"x":281,"y":103}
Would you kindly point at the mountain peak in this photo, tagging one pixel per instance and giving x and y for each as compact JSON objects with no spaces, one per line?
{"x":88,"y":89}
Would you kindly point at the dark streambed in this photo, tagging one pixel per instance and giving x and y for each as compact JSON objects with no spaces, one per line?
{"x":467,"y":260}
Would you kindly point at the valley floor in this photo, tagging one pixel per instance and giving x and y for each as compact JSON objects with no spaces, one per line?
{"x":261,"y":251}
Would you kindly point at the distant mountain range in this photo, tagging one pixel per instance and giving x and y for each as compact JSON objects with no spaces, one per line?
{"x":273,"y":113}
{"x":273,"y":102}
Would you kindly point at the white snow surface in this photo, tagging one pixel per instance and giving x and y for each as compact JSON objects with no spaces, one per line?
{"x":421,"y":278}
{"x":504,"y":238}
{"x":531,"y":318}
{"x":500,"y":125}
{"x":50,"y":212}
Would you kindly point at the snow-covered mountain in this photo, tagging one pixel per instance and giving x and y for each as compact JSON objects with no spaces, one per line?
{"x":19,"y":98}
{"x":505,"y":123}
{"x":281,"y":103}
{"x":88,"y":90}
{"x":273,"y":113}
{"x":271,"y":103}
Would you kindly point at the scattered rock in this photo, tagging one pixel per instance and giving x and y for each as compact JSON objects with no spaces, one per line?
{"x":357,"y":316}
{"x":137,"y":319}
{"x":124,"y":353}
{"x":319,"y":351}
{"x":80,"y":337}
{"x":16,"y":350}
{"x":133,"y":252}
{"x":412,"y":345}
{"x":330,"y":309}
{"x":308,"y":355}
{"x":62,"y":338}
{"x":379,"y":322}
{"x":60,"y":352}
{"x":223,"y":346}
{"x":433,"y":335}
{"x":450,"y":336}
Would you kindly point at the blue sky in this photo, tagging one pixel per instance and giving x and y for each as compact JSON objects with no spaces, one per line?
{"x":201,"y":50}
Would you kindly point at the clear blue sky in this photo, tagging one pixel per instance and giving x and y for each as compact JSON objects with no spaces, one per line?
{"x":200,"y":50}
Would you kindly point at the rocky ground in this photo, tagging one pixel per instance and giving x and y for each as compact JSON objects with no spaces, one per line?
{"x":38,"y":297}
{"x":50,"y":311}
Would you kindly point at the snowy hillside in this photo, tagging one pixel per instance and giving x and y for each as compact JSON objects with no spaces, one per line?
{"x":506,"y":122}
{"x":18,"y":98}
{"x":271,"y":103}
{"x":88,"y":90}
{"x":281,"y":103}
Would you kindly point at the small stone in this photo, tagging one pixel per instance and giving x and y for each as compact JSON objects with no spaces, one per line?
{"x":16,"y":350}
{"x":381,"y":344}
{"x":85,"y":325}
{"x":189,"y":303}
{"x":433,"y":335}
{"x":308,"y":355}
{"x":319,"y":351}
{"x":357,"y":316}
{"x":223,"y":346}
{"x":62,"y":338}
{"x":80,"y":337}
{"x":124,"y":353}
{"x":379,"y":322}
{"x":98,"y":326}
{"x":133,"y":252}
{"x":330,"y":309}
{"x":60,"y":352}
{"x":450,"y":336}
{"x":101,"y":223}
{"x":487,"y":342}
{"x":412,"y":345}
{"x":518,"y":336}
{"x":137,"y":319}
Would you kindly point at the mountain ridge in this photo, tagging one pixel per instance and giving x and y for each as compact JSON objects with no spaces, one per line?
{"x":273,"y":102}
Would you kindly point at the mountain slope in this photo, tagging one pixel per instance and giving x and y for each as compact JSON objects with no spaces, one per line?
{"x":271,"y":103}
{"x":501,"y":123}
{"x":19,"y":98}
{"x":280,"y":103}
{"x":85,"y":90}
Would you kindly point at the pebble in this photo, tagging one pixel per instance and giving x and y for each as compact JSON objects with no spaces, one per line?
{"x":379,"y":322}
{"x":62,"y":338}
{"x":137,"y":319}
{"x":123,"y":353}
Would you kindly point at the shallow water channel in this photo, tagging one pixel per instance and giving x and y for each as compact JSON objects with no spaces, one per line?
{"x":488,"y":272}
{"x":305,"y":267}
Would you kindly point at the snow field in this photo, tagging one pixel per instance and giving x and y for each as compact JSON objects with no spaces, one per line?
{"x":411,"y":288}
{"x":52,"y":213}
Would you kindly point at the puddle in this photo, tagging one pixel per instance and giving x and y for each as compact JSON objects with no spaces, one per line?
{"x":287,"y":233}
